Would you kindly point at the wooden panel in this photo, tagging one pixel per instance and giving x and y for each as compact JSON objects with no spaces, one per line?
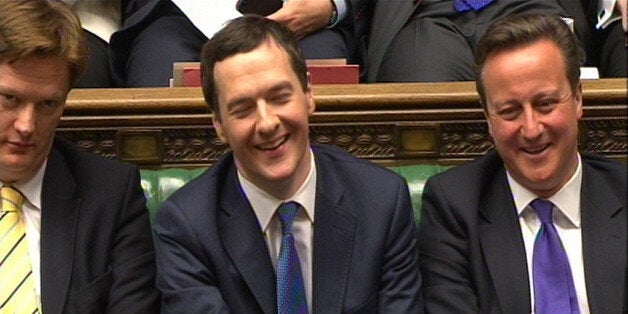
{"x":386,"y":123}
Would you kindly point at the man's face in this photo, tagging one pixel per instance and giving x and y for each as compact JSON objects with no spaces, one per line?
{"x":264,"y":118}
{"x":33,"y":91}
{"x":533,"y":115}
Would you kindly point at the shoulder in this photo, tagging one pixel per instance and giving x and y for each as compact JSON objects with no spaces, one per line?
{"x":602,"y":168}
{"x":603,"y":164}
{"x":86,"y":166}
{"x":207,"y":187}
{"x":467,"y":182}
{"x":479,"y":170}
{"x":335,"y":161}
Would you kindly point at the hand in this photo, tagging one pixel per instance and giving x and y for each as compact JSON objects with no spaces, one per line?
{"x":304,"y":17}
{"x":622,"y":6}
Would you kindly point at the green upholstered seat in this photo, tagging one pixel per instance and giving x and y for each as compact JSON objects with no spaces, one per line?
{"x":158,"y":185}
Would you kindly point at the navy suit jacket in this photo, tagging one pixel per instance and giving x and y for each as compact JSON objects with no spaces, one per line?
{"x":138,"y":14}
{"x":97,"y":252}
{"x":212,"y":256}
{"x":471,"y":249}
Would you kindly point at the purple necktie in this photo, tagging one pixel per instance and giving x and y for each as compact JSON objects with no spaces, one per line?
{"x":466,"y":5}
{"x":554,"y":291}
{"x":290,"y":289}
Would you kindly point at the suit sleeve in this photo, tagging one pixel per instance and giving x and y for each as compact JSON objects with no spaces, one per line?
{"x":183,"y":275}
{"x":133,"y":258}
{"x":443,"y":254}
{"x":400,"y":284}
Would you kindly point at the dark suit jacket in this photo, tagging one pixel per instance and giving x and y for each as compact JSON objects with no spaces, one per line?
{"x":96,"y":248}
{"x":471,"y":248}
{"x":387,"y":20}
{"x":212,"y":258}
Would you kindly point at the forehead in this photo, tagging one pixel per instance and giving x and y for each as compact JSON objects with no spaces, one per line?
{"x":255,"y":68}
{"x":540,"y":51}
{"x":39,"y":76}
{"x":540,"y":60}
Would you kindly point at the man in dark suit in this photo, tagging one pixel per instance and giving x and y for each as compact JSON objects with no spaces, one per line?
{"x":432,"y":41}
{"x":606,"y":46}
{"x":84,"y":232}
{"x":156,"y":33}
{"x":219,"y":239}
{"x":482,"y":230}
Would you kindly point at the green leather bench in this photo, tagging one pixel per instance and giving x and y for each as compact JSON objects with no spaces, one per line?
{"x":159,"y":184}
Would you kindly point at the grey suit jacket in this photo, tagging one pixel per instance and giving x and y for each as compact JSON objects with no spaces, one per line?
{"x":212,"y":257}
{"x":471,"y":248}
{"x":388,"y":19}
{"x":96,"y":245}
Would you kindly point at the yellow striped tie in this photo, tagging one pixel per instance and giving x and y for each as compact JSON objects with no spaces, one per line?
{"x":17,"y":287}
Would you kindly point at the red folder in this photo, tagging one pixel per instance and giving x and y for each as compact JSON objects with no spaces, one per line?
{"x":188,"y":74}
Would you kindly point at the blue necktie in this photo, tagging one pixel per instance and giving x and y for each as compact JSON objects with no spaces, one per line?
{"x":475,"y":5}
{"x":554,"y":291}
{"x":290,"y":289}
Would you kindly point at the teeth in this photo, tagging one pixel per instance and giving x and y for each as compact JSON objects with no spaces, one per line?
{"x":271,"y":146}
{"x":534,"y":150}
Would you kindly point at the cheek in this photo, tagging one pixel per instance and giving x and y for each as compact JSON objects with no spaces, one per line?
{"x":502,"y":131}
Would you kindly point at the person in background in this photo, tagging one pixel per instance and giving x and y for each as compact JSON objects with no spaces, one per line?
{"x":434,"y":40}
{"x":134,"y":43}
{"x":534,"y":225}
{"x":74,"y":229}
{"x":603,"y":28}
{"x":278,"y":225}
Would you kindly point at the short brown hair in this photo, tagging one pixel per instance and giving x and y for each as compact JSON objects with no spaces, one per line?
{"x":45,"y":28}
{"x":516,"y":31}
{"x":242,"y":35}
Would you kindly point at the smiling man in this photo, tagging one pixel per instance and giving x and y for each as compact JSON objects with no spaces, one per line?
{"x":534,"y":226}
{"x":278,"y":225}
{"x":74,"y":229}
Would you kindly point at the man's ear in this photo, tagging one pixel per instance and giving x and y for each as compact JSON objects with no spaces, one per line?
{"x":309,"y":95}
{"x":487,"y":118}
{"x":218,"y":128}
{"x":577,"y":98}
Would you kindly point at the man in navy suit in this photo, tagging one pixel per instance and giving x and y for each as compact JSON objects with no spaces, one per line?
{"x":156,"y":33}
{"x":84,"y":218}
{"x":217,"y":238}
{"x":477,"y":244}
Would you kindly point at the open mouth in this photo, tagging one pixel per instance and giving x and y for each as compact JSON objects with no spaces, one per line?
{"x":534,"y":150}
{"x":274,"y":145}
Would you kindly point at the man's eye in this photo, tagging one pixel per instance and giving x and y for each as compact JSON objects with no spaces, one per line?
{"x":546,"y":105}
{"x":508,"y":113}
{"x":8,"y":98}
{"x":281,"y":98}
{"x":241,"y":111}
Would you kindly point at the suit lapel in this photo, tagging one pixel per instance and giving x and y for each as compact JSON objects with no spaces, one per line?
{"x":244,"y":242}
{"x":604,"y":243}
{"x":334,"y":232}
{"x":503,"y":248}
{"x":58,"y":222}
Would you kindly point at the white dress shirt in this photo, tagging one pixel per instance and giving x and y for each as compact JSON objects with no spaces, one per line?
{"x":30,"y":215}
{"x":100,"y":17}
{"x":265,"y":205}
{"x":210,"y":16}
{"x":566,"y":215}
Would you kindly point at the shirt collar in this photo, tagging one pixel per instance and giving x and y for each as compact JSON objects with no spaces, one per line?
{"x":31,"y":188}
{"x":264,"y":204}
{"x":567,"y":199}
